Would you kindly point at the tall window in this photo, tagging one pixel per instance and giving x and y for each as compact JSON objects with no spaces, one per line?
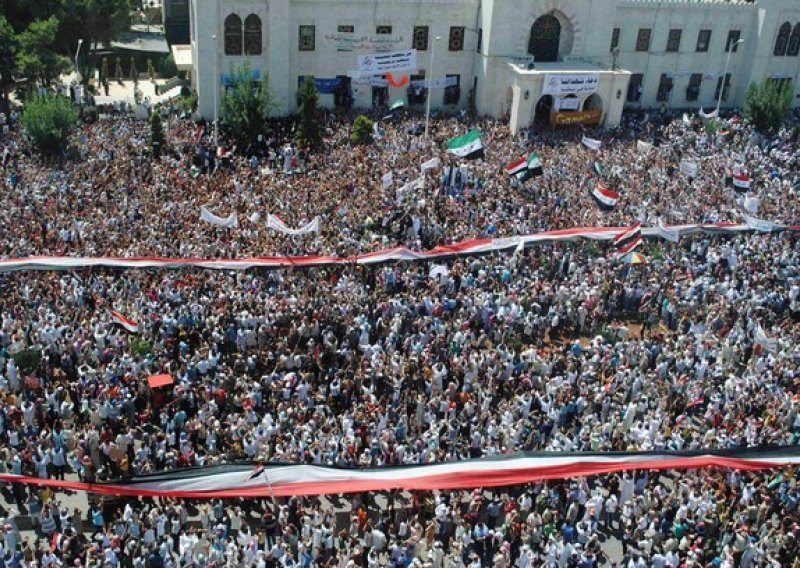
{"x":544,"y":39}
{"x":420,"y":39}
{"x":614,"y":39}
{"x":794,"y":42}
{"x":731,"y":44}
{"x":635,"y":88}
{"x":480,"y":40}
{"x":643,"y":39}
{"x":417,"y":95}
{"x":664,"y":88}
{"x":674,"y":40}
{"x":252,"y":35}
{"x":693,"y":90}
{"x":783,"y":39}
{"x":233,"y":35}
{"x":703,"y":40}
{"x":725,"y":88}
{"x":456,"y":41}
{"x":307,"y":38}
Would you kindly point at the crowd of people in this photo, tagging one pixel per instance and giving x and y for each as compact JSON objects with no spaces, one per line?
{"x":560,"y":347}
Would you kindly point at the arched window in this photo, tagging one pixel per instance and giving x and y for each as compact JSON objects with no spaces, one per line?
{"x":794,"y":41}
{"x":783,"y":39}
{"x":545,"y":36}
{"x":252,"y":35}
{"x":233,"y":35}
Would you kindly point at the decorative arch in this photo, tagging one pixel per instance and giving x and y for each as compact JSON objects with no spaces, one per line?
{"x":233,"y":35}
{"x":252,"y":35}
{"x":593,"y":102}
{"x":545,"y":38}
{"x":794,"y":42}
{"x":782,"y":40}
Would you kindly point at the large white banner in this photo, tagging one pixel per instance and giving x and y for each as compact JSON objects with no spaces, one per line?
{"x":382,"y":62}
{"x":439,"y":83}
{"x":570,"y":83}
{"x":277,"y":224}
{"x":228,"y":222}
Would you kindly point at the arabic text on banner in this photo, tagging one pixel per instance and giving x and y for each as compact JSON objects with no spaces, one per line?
{"x":383,"y":62}
{"x":570,"y":83}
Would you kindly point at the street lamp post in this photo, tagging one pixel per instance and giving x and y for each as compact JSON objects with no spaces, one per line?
{"x":430,"y":86}
{"x":725,"y":73}
{"x":78,"y":71}
{"x":77,"y":53}
{"x":216,"y":94}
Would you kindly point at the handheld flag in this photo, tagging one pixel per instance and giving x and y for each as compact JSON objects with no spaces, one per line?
{"x":741,"y":181}
{"x":467,"y":146}
{"x":124,"y":322}
{"x":606,"y":198}
{"x":628,"y":239}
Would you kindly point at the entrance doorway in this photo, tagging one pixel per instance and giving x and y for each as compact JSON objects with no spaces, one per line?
{"x":544,"y":39}
{"x":593,"y":102}
{"x":380,"y":96}
{"x":543,"y":109}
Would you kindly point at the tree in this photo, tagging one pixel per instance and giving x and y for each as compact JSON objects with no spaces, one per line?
{"x":766,"y":105}
{"x":36,"y":59}
{"x":49,"y":119}
{"x":7,"y":56}
{"x":362,"y":130}
{"x":309,"y":131}
{"x":157,"y":139}
{"x":246,"y":105}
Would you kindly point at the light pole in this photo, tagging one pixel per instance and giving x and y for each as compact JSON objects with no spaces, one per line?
{"x":725,"y":74}
{"x":216,"y":91}
{"x":77,"y":53}
{"x":430,"y":86}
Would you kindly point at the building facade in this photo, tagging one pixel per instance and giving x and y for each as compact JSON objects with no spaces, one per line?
{"x":535,"y":61}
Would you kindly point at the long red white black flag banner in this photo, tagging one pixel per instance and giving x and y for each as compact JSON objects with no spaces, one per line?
{"x":251,"y":480}
{"x":463,"y":248}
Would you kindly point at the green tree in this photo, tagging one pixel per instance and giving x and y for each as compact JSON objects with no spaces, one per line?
{"x":309,"y":130}
{"x":362,"y":130}
{"x":246,"y":105}
{"x":8,"y":50}
{"x":157,"y":139}
{"x":49,"y":119}
{"x":36,"y":59}
{"x":767,"y":104}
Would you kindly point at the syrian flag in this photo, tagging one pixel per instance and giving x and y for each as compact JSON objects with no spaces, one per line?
{"x":517,"y":167}
{"x":741,"y":181}
{"x":535,"y":165}
{"x":525,"y":168}
{"x":628,"y":239}
{"x":468,"y":146}
{"x":242,"y":481}
{"x":606,"y":198}
{"x":124,"y":322}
